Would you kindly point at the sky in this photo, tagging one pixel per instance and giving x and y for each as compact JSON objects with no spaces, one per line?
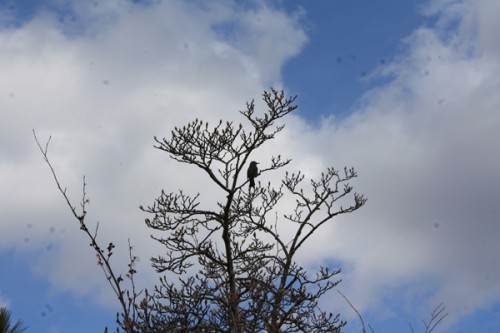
{"x":404,"y":91}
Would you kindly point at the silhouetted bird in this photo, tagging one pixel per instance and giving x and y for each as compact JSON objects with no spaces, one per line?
{"x":252,"y":172}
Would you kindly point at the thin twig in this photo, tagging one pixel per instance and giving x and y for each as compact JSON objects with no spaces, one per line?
{"x":102,"y":260}
{"x":355,"y":310}
{"x":436,"y":317}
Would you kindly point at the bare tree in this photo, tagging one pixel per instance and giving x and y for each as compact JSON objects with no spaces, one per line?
{"x":247,"y":279}
{"x":236,"y":268}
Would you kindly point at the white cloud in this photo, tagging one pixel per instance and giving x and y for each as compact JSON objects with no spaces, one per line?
{"x":103,"y":84}
{"x":426,"y":149}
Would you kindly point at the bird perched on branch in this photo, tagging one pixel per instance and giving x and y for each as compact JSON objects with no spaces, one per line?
{"x":252,"y":172}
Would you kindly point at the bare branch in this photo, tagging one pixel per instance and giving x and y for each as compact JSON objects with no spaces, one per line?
{"x":355,"y":310}
{"x":127,"y":299}
{"x":437,"y":316}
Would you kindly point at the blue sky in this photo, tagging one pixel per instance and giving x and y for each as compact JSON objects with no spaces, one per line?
{"x":405,"y":91}
{"x":347,"y":41}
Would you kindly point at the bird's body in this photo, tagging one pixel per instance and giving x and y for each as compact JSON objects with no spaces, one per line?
{"x":252,"y":172}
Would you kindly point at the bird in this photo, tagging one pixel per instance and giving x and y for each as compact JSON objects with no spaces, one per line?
{"x":252,"y":172}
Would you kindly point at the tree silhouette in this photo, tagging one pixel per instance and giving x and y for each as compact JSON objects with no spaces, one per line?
{"x":246,"y":277}
{"x":6,"y":326}
{"x":231,"y":263}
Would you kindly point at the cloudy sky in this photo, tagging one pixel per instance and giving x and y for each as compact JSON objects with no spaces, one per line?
{"x":407,"y":92}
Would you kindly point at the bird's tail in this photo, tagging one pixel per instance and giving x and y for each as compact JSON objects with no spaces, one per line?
{"x":252,"y":183}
